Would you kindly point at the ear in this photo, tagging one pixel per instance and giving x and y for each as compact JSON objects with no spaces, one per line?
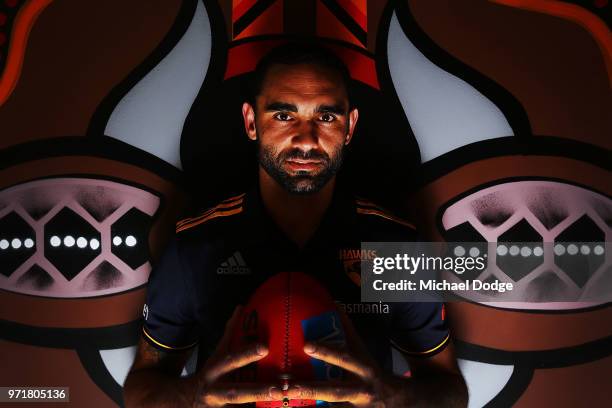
{"x":248,"y":115}
{"x":352,"y":122}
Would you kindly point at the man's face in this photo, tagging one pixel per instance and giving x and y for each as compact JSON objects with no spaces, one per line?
{"x":301,"y":122}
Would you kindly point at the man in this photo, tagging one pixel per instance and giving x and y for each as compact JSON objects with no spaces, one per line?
{"x":295,"y":218}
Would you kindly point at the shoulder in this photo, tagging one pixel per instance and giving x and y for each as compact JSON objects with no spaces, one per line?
{"x":365,"y":207}
{"x":383,"y":223}
{"x":223,"y":212}
{"x":199,"y":239}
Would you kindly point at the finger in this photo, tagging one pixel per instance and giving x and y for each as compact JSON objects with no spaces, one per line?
{"x":331,"y":392}
{"x":224,"y":344}
{"x":232,"y":360}
{"x":222,"y":394}
{"x":340,"y":358}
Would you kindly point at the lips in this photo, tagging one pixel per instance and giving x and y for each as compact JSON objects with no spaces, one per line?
{"x":303,"y":165}
{"x":74,"y":237}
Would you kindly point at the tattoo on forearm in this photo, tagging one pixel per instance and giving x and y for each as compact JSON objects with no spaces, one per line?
{"x":150,"y":356}
{"x":149,"y":353}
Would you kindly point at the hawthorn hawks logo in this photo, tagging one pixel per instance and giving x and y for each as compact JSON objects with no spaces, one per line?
{"x":352,"y":259}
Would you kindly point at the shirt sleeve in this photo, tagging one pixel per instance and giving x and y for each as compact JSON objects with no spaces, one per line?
{"x":419,"y":329}
{"x":169,"y":313}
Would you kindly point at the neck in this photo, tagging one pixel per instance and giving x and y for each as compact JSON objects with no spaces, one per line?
{"x":298,"y":216}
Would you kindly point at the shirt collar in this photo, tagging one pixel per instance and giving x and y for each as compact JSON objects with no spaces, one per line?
{"x":337,"y":220}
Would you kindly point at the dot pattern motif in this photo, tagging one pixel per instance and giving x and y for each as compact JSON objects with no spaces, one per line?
{"x":545,"y":229}
{"x":97,"y":205}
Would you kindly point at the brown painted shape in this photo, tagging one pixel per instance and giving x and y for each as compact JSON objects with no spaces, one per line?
{"x":226,"y":9}
{"x":514,"y":330}
{"x":83,"y":313}
{"x":77,"y":52}
{"x":376,"y":9}
{"x":425,"y":204}
{"x":584,"y":385}
{"x":504,"y":329}
{"x":31,"y":366}
{"x":96,"y":311}
{"x":553,"y":66}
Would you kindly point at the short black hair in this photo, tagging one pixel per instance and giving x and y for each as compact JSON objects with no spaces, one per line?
{"x":294,"y":53}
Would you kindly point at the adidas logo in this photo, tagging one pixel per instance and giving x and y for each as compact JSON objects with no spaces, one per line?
{"x":234,"y":265}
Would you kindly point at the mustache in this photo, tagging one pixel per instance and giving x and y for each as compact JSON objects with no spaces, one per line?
{"x":304,"y":155}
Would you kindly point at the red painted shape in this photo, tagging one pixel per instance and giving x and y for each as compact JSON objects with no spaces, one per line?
{"x":329,"y":26}
{"x":359,"y":17}
{"x":243,"y":58}
{"x":239,"y":7}
{"x":21,"y":30}
{"x":269,"y":22}
{"x":361,"y":67}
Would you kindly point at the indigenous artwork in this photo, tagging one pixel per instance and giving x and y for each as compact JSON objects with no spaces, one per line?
{"x":480,"y":121}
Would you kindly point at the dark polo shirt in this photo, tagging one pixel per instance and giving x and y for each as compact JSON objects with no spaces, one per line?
{"x":217,"y":259}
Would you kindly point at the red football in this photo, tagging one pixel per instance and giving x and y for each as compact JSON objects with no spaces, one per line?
{"x":286,"y":311}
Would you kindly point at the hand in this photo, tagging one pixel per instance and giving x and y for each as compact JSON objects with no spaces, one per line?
{"x":370,"y":387}
{"x":213,"y":393}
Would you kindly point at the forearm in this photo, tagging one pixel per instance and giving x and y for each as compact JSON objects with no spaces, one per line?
{"x":153,"y":388}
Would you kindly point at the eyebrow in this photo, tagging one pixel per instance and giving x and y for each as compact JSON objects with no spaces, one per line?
{"x":281,"y":106}
{"x":336,"y":109}
{"x":289,"y":107}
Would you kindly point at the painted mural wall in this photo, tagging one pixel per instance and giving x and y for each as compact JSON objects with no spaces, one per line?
{"x":482,"y":121}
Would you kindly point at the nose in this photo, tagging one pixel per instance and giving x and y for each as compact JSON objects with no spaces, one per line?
{"x":306,"y":137}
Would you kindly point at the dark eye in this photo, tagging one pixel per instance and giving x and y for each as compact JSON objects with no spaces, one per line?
{"x":327,"y":117}
{"x":283,"y":116}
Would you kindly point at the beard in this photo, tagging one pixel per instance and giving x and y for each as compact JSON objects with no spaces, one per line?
{"x":299,"y":182}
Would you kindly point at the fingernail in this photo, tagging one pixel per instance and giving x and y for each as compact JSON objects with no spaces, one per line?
{"x":309,"y":348}
{"x":261,"y":349}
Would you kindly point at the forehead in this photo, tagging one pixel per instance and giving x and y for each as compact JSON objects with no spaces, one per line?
{"x":303,"y":80}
